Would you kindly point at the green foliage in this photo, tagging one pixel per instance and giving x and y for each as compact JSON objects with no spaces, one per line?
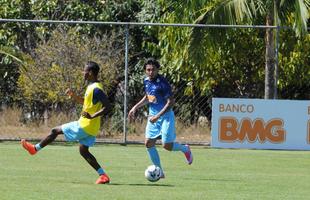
{"x":67,"y":10}
{"x":8,"y":73}
{"x":58,"y":64}
{"x":218,"y":62}
{"x":224,"y":66}
{"x":294,"y":76}
{"x":25,"y":36}
{"x":209,"y":62}
{"x":150,"y":11}
{"x":13,"y":38}
{"x":234,"y":68}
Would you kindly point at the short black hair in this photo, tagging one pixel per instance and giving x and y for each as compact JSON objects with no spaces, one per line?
{"x":93,"y":66}
{"x":152,"y":61}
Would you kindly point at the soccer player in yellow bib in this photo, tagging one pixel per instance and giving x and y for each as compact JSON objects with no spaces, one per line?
{"x":95,"y":104}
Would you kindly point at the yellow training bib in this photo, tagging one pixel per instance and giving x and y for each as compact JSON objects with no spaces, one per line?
{"x":91,"y":126}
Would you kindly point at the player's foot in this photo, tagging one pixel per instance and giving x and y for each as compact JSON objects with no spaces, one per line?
{"x":189,"y":155}
{"x":162,"y":175}
{"x":28,"y":146}
{"x":103,"y":179}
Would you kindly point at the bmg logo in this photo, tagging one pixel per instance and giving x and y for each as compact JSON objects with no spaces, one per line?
{"x":231,"y":130}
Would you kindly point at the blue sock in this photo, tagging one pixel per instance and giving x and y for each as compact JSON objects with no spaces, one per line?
{"x":38,"y":147}
{"x":179,"y":147}
{"x":154,"y":156}
{"x":100,"y":171}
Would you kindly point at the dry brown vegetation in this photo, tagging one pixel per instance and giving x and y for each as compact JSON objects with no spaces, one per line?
{"x":13,"y":128}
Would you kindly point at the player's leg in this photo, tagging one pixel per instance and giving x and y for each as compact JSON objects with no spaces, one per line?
{"x":33,"y":149}
{"x":152,"y":132}
{"x":84,"y":151}
{"x":153,"y":154}
{"x":103,"y":177}
{"x":50,"y":138}
{"x":169,"y":136}
{"x":87,"y":141}
{"x":152,"y":151}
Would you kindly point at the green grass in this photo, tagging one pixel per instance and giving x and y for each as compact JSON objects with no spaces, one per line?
{"x":59,"y":172}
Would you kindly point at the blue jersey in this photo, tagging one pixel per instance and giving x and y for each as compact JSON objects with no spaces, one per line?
{"x":157,"y":91}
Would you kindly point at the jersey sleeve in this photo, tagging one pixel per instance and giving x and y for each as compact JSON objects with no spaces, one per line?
{"x":166,"y":89}
{"x":99,"y":96}
{"x":144,"y":85}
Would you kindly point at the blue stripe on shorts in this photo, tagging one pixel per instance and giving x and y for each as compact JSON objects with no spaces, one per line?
{"x":73,"y":132}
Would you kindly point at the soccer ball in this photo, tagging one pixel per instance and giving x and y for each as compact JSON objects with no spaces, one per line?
{"x":152,"y":173}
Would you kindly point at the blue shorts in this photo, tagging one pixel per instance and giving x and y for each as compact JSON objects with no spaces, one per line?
{"x":73,"y":132}
{"x":164,"y":127}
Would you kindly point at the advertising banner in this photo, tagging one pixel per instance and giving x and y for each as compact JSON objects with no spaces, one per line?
{"x":260,"y":124}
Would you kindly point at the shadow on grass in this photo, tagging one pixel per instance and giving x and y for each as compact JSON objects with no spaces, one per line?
{"x":143,"y":184}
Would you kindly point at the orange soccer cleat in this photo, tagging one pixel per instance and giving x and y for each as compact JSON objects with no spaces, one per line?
{"x":103,"y":179}
{"x":29,"y":147}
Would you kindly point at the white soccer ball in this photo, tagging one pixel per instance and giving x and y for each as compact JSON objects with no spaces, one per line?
{"x":152,"y":173}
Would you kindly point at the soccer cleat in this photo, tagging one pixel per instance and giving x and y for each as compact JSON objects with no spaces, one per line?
{"x":29,"y":147}
{"x":162,"y":175}
{"x":103,"y":179}
{"x":189,"y":155}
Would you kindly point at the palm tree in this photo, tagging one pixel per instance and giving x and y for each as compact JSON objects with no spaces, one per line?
{"x":276,"y":12}
{"x":10,"y":52}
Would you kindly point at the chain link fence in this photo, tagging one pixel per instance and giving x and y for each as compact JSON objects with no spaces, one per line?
{"x":38,"y":79}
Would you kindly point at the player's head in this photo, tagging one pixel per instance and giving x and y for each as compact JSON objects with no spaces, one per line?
{"x":151,"y":68}
{"x":91,"y":71}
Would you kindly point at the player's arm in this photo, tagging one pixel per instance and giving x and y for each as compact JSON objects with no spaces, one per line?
{"x":169,"y":104}
{"x":142,"y":102}
{"x":104,"y":111}
{"x":99,"y":95}
{"x":77,"y":98}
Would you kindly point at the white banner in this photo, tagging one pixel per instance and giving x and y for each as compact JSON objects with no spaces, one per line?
{"x":260,"y":124}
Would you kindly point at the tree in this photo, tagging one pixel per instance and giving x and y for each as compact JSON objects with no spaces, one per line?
{"x":25,"y":37}
{"x":275,"y":12}
{"x":295,"y":76}
{"x":57,"y":64}
{"x":10,"y":61}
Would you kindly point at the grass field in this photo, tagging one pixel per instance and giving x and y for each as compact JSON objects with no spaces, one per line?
{"x":59,"y":172}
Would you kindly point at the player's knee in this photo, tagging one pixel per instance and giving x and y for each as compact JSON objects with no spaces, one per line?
{"x":84,"y":152}
{"x":149,"y":143}
{"x":167,"y":146}
{"x":55,"y":132}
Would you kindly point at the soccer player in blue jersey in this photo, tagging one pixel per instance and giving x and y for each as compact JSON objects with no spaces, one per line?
{"x":95,"y":104}
{"x":161,"y":123}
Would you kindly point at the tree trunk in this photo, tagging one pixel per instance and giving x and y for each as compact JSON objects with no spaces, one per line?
{"x":270,"y":60}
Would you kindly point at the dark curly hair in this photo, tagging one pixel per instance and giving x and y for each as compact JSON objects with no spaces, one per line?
{"x":152,"y":61}
{"x":93,"y":66}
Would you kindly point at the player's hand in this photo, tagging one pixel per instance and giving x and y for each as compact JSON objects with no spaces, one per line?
{"x":87,"y":115}
{"x":69,"y":92}
{"x":131,"y":114}
{"x":153,"y":119}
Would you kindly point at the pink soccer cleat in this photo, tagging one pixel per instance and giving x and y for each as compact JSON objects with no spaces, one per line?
{"x":189,"y":155}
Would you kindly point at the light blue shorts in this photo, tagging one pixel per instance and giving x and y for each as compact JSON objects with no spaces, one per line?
{"x":164,"y":127}
{"x":73,"y":132}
